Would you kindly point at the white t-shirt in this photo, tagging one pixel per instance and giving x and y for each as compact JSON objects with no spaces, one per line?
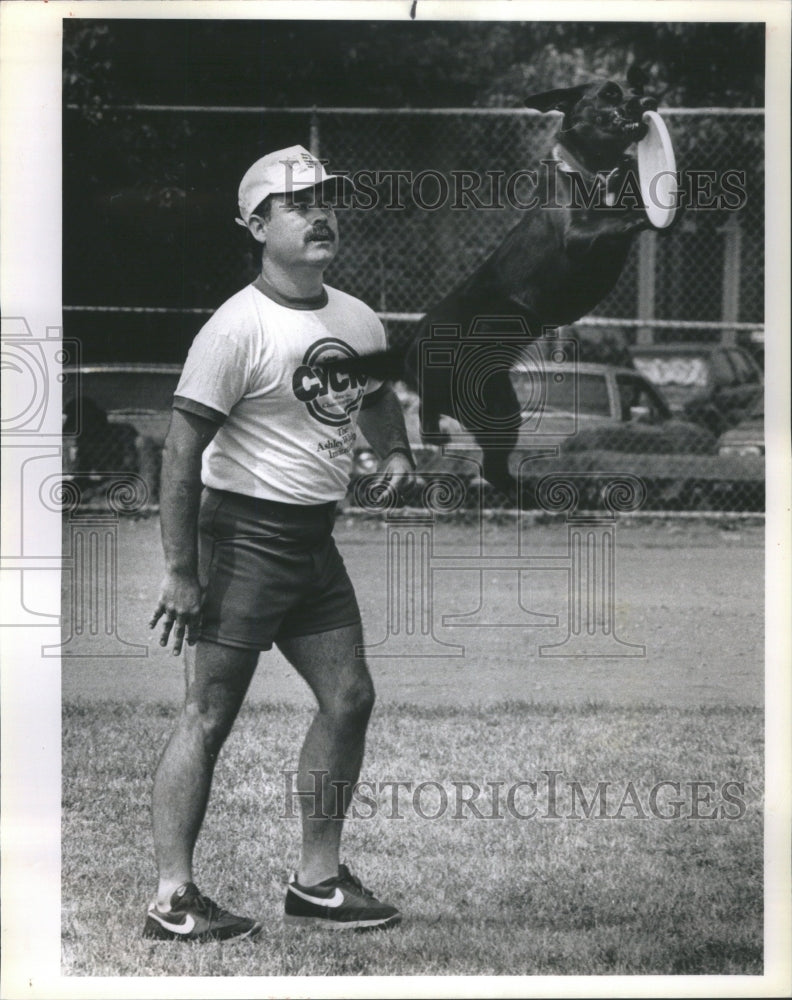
{"x":287,"y":427}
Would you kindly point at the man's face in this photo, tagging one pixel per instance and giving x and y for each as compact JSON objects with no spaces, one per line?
{"x":301,"y":230}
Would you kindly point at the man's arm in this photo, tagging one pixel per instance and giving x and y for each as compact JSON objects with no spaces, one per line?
{"x":382,"y":421}
{"x":180,"y":494}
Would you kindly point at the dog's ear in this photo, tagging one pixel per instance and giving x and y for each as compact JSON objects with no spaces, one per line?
{"x":563,"y":99}
{"x":637,"y":78}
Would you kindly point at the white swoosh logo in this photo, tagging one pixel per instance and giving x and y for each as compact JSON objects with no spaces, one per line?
{"x":184,"y":928}
{"x":335,"y":900}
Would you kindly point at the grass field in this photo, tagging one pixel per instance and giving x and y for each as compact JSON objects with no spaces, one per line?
{"x":623,"y":891}
{"x":614,"y":893}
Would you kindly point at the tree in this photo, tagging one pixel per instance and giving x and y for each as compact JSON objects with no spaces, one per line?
{"x":392,"y":64}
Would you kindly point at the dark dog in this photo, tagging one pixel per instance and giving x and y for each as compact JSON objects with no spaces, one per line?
{"x":557,"y":263}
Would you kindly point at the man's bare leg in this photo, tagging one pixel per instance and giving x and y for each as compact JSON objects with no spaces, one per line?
{"x":217,"y":680}
{"x":334,"y":743}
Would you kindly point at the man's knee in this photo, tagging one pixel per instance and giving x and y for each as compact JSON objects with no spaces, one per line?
{"x":217,"y":679}
{"x":211,"y":724}
{"x":362,"y":697}
{"x":353,"y":701}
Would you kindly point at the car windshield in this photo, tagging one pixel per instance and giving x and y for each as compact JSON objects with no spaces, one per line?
{"x":583,"y":393}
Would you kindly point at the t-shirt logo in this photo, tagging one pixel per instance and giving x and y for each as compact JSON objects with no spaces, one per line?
{"x":329,"y":395}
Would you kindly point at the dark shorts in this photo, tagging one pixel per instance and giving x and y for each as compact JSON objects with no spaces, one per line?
{"x":271,"y":571}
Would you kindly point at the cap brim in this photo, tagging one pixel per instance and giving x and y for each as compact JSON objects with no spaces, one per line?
{"x":334,"y":187}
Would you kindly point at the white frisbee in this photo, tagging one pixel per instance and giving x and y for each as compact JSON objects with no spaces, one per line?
{"x":657,"y":172}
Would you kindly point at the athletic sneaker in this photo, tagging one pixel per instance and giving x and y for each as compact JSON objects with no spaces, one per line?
{"x":340,"y":903}
{"x":194,"y":917}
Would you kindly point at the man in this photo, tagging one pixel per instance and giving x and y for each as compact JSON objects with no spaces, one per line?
{"x":250,"y":560}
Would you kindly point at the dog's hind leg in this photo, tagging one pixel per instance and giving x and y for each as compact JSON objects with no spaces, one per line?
{"x":496,"y":428}
{"x":495,"y":469}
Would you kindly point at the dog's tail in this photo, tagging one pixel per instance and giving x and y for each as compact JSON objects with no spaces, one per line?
{"x":387,"y":365}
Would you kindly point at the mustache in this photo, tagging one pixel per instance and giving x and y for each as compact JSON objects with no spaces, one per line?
{"x":321,"y":233}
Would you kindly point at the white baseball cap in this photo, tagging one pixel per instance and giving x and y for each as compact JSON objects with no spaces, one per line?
{"x":282,"y":172}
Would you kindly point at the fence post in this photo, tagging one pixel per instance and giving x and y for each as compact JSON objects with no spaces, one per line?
{"x":647,"y":267}
{"x":314,"y":140}
{"x":732,"y":259}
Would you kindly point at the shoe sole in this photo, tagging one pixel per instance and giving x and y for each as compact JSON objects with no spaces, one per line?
{"x":156,"y":932}
{"x":343,"y":925}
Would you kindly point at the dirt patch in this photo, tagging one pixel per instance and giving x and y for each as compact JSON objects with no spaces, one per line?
{"x":690,"y":592}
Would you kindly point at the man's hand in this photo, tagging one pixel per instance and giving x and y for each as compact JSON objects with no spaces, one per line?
{"x":180,"y":592}
{"x":382,"y":422}
{"x":180,"y":602}
{"x":395,"y":472}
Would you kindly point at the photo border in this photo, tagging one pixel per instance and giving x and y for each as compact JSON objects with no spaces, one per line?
{"x":30,"y":63}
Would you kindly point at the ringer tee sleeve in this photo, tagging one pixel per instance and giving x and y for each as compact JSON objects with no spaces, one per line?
{"x":191,"y":406}
{"x":216,"y":373}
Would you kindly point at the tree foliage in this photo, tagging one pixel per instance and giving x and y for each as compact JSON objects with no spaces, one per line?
{"x":149,"y":197}
{"x":391,"y":64}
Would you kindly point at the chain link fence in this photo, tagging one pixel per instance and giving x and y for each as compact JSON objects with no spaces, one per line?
{"x":151,"y":248}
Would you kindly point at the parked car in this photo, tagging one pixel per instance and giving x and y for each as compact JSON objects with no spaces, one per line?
{"x":612,"y":408}
{"x":136,"y":394}
{"x":115,"y":418}
{"x":622,"y":424}
{"x":590,"y":412}
{"x":747,"y":438}
{"x":711,"y":384}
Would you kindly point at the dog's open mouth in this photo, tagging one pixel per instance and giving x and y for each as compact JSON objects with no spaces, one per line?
{"x":626,"y":131}
{"x":618,"y":124}
{"x":636,"y":130}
